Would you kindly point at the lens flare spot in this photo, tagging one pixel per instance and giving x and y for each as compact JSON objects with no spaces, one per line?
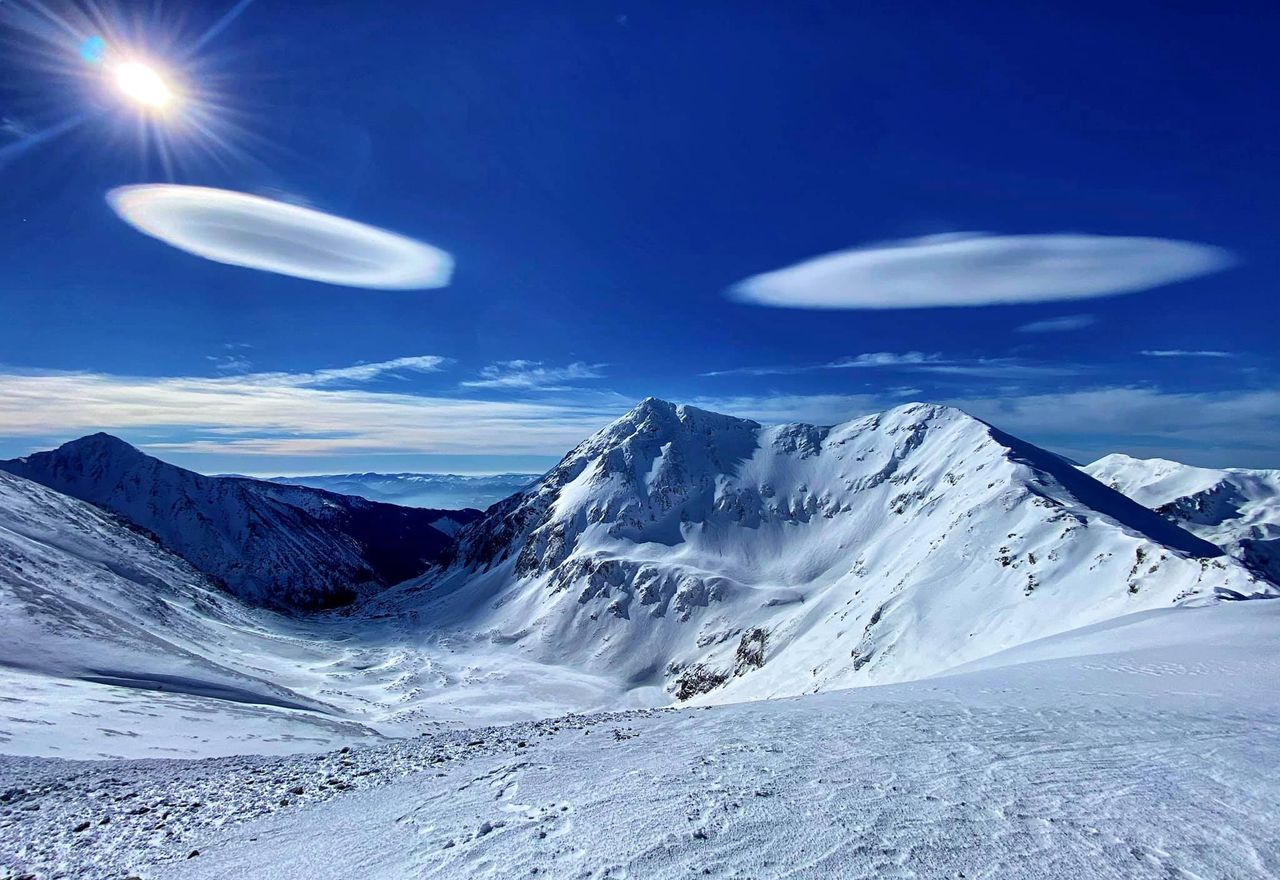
{"x":93,"y":50}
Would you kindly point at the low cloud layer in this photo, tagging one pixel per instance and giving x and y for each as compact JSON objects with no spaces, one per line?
{"x":324,"y":412}
{"x":969,"y":269}
{"x":257,"y":233}
{"x":335,"y":412}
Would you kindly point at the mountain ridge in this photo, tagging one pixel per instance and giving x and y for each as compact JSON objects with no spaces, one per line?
{"x":274,"y":545}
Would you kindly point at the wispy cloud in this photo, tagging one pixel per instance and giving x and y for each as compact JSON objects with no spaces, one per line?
{"x":312,"y":413}
{"x":229,"y":363}
{"x":973,"y":269}
{"x":534,"y":375}
{"x":1180,"y":353}
{"x":884,"y":359}
{"x":426,"y":363}
{"x":1059,"y":325}
{"x":13,"y":128}
{"x":353,"y":375}
{"x":868,"y":359}
{"x":918,"y":362}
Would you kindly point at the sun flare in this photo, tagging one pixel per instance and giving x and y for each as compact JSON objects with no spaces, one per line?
{"x":143,"y":85}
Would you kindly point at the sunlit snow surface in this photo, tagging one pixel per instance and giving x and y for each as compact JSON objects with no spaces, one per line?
{"x":259,"y":233}
{"x":1065,"y":758}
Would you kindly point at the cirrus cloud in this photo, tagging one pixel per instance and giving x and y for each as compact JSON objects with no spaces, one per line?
{"x":1178,"y":352}
{"x":258,"y":233}
{"x":534,"y":375}
{"x":974,"y":269}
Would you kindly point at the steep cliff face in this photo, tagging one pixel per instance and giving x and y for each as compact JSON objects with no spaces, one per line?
{"x":272,"y":545}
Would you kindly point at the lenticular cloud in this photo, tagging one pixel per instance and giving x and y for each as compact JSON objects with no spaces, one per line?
{"x":258,"y":233}
{"x":970,"y":269}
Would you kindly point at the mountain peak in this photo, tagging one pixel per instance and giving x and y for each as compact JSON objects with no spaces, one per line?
{"x":918,"y":412}
{"x":652,"y":403}
{"x":651,"y":409}
{"x":99,"y":443}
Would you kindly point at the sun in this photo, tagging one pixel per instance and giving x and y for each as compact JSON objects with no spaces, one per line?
{"x":153,"y":78}
{"x":143,"y":85}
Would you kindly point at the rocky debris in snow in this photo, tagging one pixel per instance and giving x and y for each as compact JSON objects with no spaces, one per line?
{"x":43,"y":829}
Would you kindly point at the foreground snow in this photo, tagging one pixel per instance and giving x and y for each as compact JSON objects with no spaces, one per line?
{"x":1061,"y":758}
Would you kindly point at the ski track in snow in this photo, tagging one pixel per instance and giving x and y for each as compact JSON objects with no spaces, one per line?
{"x":1076,"y":761}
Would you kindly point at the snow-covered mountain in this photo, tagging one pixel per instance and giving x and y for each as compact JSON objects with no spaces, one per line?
{"x":1236,"y":508}
{"x":274,"y":545}
{"x":700,"y":553}
{"x":449,"y":491}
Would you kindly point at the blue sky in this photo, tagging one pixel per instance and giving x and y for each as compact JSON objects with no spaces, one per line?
{"x":606,"y":175}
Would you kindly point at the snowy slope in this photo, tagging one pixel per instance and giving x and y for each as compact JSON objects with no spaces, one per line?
{"x":1134,"y":750}
{"x":273,"y":545}
{"x":101,"y":629}
{"x":697,"y":553}
{"x":1235,"y":508}
{"x":449,"y":491}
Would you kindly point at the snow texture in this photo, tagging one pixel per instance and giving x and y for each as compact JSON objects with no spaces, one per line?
{"x":1067,"y":758}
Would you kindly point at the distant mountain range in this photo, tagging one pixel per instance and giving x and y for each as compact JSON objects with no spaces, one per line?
{"x":448,"y":491}
{"x":272,"y":545}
